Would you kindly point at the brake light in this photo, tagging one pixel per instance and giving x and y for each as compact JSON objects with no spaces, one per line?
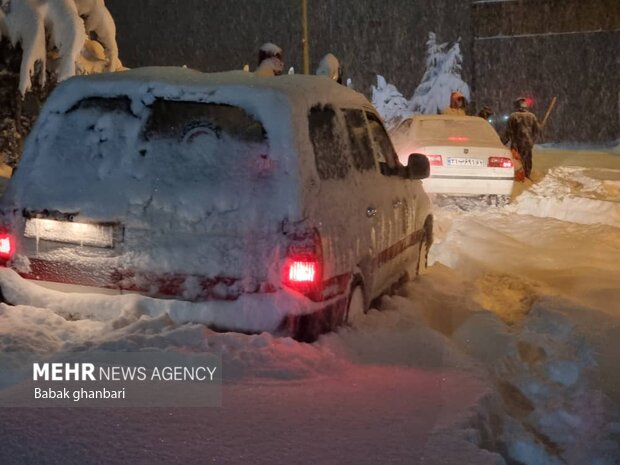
{"x":500,"y":162}
{"x":458,"y":138}
{"x":435,"y":160}
{"x":302,"y":269}
{"x":7,"y":246}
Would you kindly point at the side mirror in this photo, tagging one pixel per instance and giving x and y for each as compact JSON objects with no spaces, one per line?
{"x":418,"y":166}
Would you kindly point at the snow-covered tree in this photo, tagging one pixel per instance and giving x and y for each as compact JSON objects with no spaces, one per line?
{"x":389,"y":102}
{"x":43,"y":42}
{"x":442,"y":77}
{"x":60,"y":38}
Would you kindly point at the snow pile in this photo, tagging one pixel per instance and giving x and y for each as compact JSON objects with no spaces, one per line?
{"x":580,"y":195}
{"x":569,"y":224}
{"x":442,"y":77}
{"x":54,"y":37}
{"x":263,"y":356}
{"x":250,"y":312}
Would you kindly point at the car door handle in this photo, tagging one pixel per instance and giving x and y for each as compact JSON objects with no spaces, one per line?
{"x":371,"y":212}
{"x":397,"y":204}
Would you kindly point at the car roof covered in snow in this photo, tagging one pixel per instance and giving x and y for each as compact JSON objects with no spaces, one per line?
{"x":178,"y":83}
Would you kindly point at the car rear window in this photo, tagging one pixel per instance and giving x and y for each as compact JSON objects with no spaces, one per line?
{"x":179,"y":158}
{"x":455,"y":131}
{"x":179,"y":120}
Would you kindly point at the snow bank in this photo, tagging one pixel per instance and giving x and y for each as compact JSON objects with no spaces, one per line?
{"x":552,"y":221}
{"x":575,"y":194}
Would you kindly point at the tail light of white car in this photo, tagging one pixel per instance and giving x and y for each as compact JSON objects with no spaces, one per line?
{"x":303,"y":265}
{"x":435,"y":160}
{"x":499,"y":162}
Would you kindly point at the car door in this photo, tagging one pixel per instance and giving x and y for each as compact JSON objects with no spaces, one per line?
{"x":335,"y":207}
{"x":402,"y":195}
{"x":375,"y":191}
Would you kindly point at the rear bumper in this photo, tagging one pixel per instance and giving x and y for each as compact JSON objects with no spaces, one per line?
{"x":250,"y":313}
{"x":469,"y":185}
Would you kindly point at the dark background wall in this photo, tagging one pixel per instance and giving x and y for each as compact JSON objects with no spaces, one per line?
{"x":369,"y":37}
{"x":541,"y":48}
{"x":569,"y":49}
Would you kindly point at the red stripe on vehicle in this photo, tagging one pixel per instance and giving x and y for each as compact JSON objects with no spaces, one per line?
{"x":401,"y":246}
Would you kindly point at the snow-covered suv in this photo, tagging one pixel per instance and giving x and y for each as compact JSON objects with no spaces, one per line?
{"x":277,"y":204}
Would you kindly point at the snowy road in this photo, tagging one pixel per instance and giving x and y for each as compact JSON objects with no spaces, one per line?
{"x":508,"y":347}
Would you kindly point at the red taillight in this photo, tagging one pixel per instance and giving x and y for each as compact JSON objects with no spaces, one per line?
{"x":435,"y":160}
{"x":458,"y":138}
{"x":302,"y":269}
{"x":7,"y":246}
{"x":499,"y":162}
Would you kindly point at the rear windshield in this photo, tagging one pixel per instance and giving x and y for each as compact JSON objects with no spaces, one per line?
{"x":455,"y":131}
{"x":181,"y":157}
{"x":180,"y":120}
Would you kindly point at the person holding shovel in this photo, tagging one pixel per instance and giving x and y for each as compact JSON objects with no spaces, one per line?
{"x":522,"y":131}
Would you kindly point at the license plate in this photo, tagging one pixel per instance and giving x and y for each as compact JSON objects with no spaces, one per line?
{"x":93,"y":235}
{"x":475,"y":162}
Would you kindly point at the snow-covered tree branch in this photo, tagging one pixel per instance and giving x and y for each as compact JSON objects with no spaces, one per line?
{"x":59,"y":37}
{"x":389,"y":102}
{"x":442,"y":77}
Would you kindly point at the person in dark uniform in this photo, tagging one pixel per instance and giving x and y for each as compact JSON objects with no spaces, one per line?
{"x":486,"y":112}
{"x":522,"y":131}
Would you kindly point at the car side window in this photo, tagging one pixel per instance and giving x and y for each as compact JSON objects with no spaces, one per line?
{"x":330,"y":154}
{"x":359,"y":138}
{"x":383,"y":146}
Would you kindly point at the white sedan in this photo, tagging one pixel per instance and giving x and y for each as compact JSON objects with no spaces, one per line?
{"x":466,"y":155}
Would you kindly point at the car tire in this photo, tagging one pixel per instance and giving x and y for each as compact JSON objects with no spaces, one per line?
{"x":356,"y":307}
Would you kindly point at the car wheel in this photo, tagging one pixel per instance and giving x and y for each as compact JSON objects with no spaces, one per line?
{"x":356,"y":309}
{"x":422,"y":257}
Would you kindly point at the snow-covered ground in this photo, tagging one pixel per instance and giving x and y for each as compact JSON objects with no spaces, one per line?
{"x":505,"y":352}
